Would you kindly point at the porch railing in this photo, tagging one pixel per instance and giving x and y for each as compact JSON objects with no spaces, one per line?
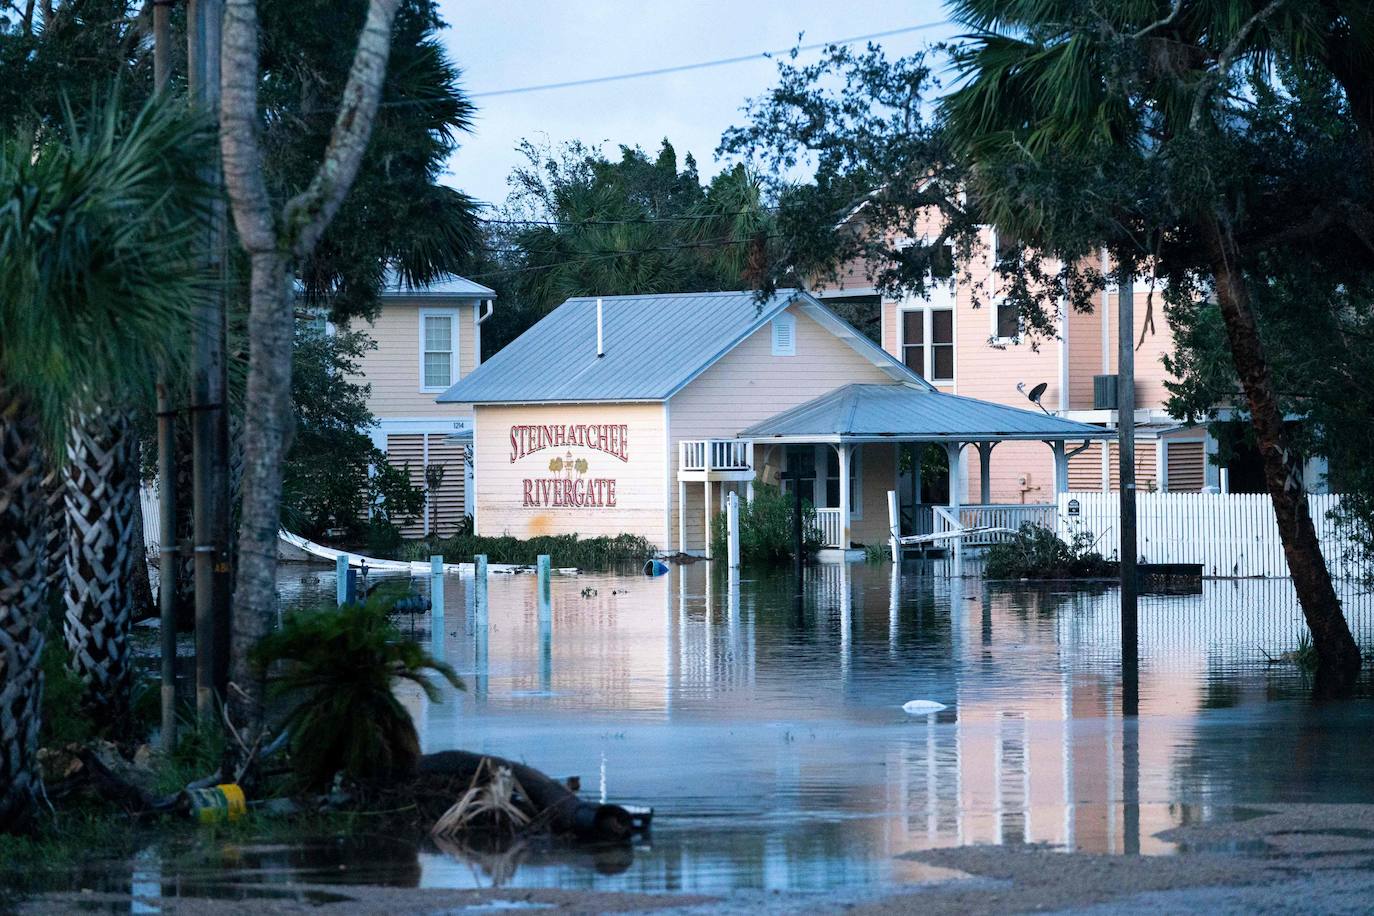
{"x":715,"y":454}
{"x":1012,"y":516}
{"x":828,"y":525}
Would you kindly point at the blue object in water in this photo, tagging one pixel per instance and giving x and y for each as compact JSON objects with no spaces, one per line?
{"x":655,"y":568}
{"x":414,"y":603}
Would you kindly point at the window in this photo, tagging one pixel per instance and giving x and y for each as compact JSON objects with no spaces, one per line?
{"x":1006,"y":321}
{"x":832,"y":481}
{"x":928,"y":343}
{"x":437,"y":348}
{"x":785,"y":335}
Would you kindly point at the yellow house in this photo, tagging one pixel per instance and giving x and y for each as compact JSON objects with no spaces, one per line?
{"x":427,"y":339}
{"x":638,"y":414}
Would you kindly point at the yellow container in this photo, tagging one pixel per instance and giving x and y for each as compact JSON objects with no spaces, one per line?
{"x":219,"y":804}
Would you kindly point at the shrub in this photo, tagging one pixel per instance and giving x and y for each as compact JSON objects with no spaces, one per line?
{"x":765,"y":528}
{"x":1037,"y":552}
{"x":563,"y":549}
{"x":339,"y":668}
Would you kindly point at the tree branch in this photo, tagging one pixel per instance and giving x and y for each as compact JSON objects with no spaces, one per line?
{"x":309,"y":212}
{"x":240,"y":143}
{"x":1175,"y":8}
{"x":1210,"y":81}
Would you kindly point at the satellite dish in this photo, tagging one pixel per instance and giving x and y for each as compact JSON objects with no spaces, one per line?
{"x":1035,"y":394}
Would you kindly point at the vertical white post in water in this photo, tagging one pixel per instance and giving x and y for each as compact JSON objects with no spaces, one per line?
{"x":545,"y":569}
{"x":732,"y":529}
{"x":341,"y":578}
{"x":436,"y":587}
{"x":894,"y":526}
{"x":479,"y":621}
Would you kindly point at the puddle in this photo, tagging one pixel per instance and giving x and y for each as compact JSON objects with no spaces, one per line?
{"x":768,"y":732}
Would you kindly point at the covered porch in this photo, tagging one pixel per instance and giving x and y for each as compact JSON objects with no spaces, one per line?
{"x":860,"y":442}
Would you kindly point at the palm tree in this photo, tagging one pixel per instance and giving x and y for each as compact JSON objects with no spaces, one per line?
{"x":1121,"y":125}
{"x":97,"y":237}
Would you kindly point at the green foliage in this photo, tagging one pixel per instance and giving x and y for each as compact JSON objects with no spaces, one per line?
{"x":579,"y":223}
{"x":1037,"y":552}
{"x":336,"y":676}
{"x":98,"y":247}
{"x":326,"y":480}
{"x":398,"y":213}
{"x":766,"y":528}
{"x":562,"y":549}
{"x":877,"y":553}
{"x":199,"y":751}
{"x":63,"y":721}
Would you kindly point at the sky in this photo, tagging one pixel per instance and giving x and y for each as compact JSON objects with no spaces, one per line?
{"x":522,"y":43}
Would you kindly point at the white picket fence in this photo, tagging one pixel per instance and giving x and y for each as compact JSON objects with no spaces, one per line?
{"x":1231,"y":535}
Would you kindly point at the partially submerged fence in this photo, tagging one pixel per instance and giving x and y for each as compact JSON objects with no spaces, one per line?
{"x":1230,"y":534}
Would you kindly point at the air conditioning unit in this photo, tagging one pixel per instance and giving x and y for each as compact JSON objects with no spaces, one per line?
{"x":1104,"y":392}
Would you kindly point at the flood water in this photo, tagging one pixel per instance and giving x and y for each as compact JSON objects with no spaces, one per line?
{"x":767,"y":732}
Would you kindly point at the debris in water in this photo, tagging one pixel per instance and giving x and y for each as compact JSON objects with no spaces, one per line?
{"x":922,"y":707}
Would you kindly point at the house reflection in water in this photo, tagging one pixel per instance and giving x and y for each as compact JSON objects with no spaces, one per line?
{"x":768,"y":733}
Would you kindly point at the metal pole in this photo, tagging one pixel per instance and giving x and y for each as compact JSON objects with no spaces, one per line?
{"x":732,"y":529}
{"x":1125,"y":402}
{"x":436,"y":590}
{"x":166,"y":457}
{"x":209,"y":429}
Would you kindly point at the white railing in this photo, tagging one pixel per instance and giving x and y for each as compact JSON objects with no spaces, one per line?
{"x":828,"y":525}
{"x":1009,"y":515}
{"x":715,"y":454}
{"x":1230,"y":534}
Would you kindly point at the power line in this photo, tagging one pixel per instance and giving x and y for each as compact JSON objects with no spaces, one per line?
{"x":701,"y":65}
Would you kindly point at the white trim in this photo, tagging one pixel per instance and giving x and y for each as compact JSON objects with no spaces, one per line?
{"x":1064,"y":383}
{"x":856,"y":491}
{"x":669,"y":457}
{"x":452,"y":314}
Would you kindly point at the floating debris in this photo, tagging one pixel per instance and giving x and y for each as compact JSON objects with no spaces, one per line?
{"x":922,"y":707}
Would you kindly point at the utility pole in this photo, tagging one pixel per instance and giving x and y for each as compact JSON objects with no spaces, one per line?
{"x":210,"y":430}
{"x":1125,"y":406}
{"x":166,"y":451}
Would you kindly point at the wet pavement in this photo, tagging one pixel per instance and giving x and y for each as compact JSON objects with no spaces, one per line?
{"x":767,"y":732}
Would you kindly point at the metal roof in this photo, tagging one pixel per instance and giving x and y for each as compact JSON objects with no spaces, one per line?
{"x":443,"y":286}
{"x":654,"y":345}
{"x":913,"y":413}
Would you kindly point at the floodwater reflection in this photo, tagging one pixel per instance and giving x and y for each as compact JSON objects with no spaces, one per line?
{"x":769,"y":736}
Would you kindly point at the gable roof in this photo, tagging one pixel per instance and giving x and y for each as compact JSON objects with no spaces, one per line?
{"x":443,"y":286}
{"x":654,"y":346}
{"x":862,"y":411}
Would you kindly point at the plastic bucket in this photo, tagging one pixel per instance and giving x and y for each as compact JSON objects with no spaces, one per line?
{"x":218,"y":804}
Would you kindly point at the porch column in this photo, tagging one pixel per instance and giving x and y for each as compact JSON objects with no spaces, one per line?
{"x":706,"y":515}
{"x":1061,"y":468}
{"x":985,"y":471}
{"x":682,"y":516}
{"x":749,"y":484}
{"x":954,"y":451}
{"x":843,"y":449}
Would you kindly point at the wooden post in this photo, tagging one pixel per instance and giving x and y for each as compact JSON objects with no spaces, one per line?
{"x":1125,"y":402}
{"x":682,"y":516}
{"x":209,"y":428}
{"x":436,"y":588}
{"x":894,"y":526}
{"x":341,"y":578}
{"x":843,"y":449}
{"x":706,"y":514}
{"x":166,"y":458}
{"x":954,"y":450}
{"x":732,"y":529}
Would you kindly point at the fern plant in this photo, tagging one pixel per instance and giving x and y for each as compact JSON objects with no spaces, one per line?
{"x":336,"y":677}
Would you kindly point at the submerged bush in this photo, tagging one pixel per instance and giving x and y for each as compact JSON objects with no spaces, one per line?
{"x":338,"y":671}
{"x":765,"y":528}
{"x":563,"y":549}
{"x":1036,"y":552}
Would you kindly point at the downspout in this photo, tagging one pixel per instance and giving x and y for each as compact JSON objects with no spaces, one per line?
{"x":488,"y":306}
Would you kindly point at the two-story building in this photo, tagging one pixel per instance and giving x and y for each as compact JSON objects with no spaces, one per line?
{"x":961,"y":339}
{"x":427,"y":339}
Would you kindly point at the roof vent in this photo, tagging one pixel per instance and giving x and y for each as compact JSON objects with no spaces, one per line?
{"x":600,"y":346}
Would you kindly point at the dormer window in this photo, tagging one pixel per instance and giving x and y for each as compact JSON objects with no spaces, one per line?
{"x":785,"y":335}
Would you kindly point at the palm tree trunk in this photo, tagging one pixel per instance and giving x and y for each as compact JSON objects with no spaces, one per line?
{"x":1339,"y":657}
{"x":54,"y":489}
{"x":22,"y":594}
{"x":102,"y":506}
